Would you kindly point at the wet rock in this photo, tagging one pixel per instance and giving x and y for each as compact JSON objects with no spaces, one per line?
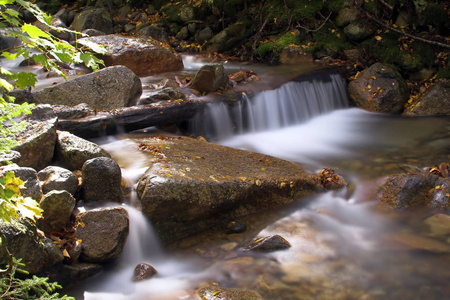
{"x":133,"y":118}
{"x":23,"y":242}
{"x":69,"y":275}
{"x":439,"y":225}
{"x":57,"y":178}
{"x":379,"y":88}
{"x":37,"y":141}
{"x":143,"y":271}
{"x":269,"y":243}
{"x":433,"y":102}
{"x":295,"y":55}
{"x":93,"y":32}
{"x":217,"y":293}
{"x":329,"y":180}
{"x":101,"y":180}
{"x":29,"y":176}
{"x":412,"y":191}
{"x":142,"y":56}
{"x":72,"y":151}
{"x":57,"y":208}
{"x":210,"y":78}
{"x":416,"y":242}
{"x":200,"y":185}
{"x":109,"y":88}
{"x":103,"y":233}
{"x":162,"y":95}
{"x":93,"y":18}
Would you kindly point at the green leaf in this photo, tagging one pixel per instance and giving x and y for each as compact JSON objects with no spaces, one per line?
{"x":6,"y":85}
{"x":93,"y":46}
{"x":25,"y":79}
{"x":5,"y":2}
{"x":35,"y":32}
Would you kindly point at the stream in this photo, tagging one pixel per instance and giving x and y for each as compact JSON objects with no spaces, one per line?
{"x":342,"y":248}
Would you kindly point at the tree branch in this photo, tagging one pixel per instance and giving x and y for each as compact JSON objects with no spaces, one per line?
{"x":439,"y":44}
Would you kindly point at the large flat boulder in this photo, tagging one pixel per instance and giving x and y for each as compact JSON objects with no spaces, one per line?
{"x":193,"y":185}
{"x":141,"y":55}
{"x":106,"y":89}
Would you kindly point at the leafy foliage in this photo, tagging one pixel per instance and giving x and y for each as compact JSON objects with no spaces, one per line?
{"x":12,"y":203}
{"x":12,"y":288}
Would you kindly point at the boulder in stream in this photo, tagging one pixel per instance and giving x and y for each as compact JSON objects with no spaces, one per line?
{"x":57,"y":207}
{"x":142,"y":56}
{"x":193,"y":185}
{"x":269,"y":243}
{"x":101,"y":180}
{"x":37,"y":142}
{"x":103,"y":233}
{"x":57,"y":178}
{"x":210,"y":78}
{"x":143,"y":271}
{"x":435,"y":101}
{"x":107,"y":89}
{"x":379,"y":88}
{"x":72,"y":151}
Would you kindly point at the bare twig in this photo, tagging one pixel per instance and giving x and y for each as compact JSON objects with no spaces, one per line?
{"x":407,"y":34}
{"x":317,"y":29}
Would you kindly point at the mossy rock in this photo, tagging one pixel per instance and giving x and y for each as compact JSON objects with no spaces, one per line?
{"x":272,"y":50}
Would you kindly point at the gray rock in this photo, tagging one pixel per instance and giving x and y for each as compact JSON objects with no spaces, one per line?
{"x":233,"y":35}
{"x":210,"y":78}
{"x":37,"y":141}
{"x":23,"y":241}
{"x":101,"y":180}
{"x":141,"y":55}
{"x":106,"y":89}
{"x":57,"y":208}
{"x":164,"y":94}
{"x":154,"y":32}
{"x":72,"y":112}
{"x":57,"y":178}
{"x":269,"y":243}
{"x":435,"y":101}
{"x":379,"y":88}
{"x":143,"y":271}
{"x":124,"y":11}
{"x":93,"y":18}
{"x":93,"y":32}
{"x":347,"y":15}
{"x":412,"y":191}
{"x":186,"y":13}
{"x":10,"y":157}
{"x":359,"y":30}
{"x":203,"y":35}
{"x":183,"y":34}
{"x":32,"y":186}
{"x":72,"y":151}
{"x":103,"y":233}
{"x":201,"y":185}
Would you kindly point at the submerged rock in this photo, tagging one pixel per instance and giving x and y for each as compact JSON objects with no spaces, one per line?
{"x":213,"y":292}
{"x":193,"y":185}
{"x":103,"y":233}
{"x":142,"y":56}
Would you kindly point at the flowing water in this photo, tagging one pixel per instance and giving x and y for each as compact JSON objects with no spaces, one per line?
{"x":342,"y":248}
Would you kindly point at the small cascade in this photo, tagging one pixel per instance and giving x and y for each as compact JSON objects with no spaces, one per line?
{"x":292,"y":103}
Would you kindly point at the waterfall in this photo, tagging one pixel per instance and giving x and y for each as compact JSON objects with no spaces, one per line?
{"x":292,"y":103}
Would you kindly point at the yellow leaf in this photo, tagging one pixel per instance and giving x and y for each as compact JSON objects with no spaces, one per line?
{"x":65,"y":253}
{"x":378,"y":38}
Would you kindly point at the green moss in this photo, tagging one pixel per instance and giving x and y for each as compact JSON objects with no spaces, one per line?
{"x":371,"y":6}
{"x":335,"y":5}
{"x":272,"y":50}
{"x":330,"y":38}
{"x":443,"y":74}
